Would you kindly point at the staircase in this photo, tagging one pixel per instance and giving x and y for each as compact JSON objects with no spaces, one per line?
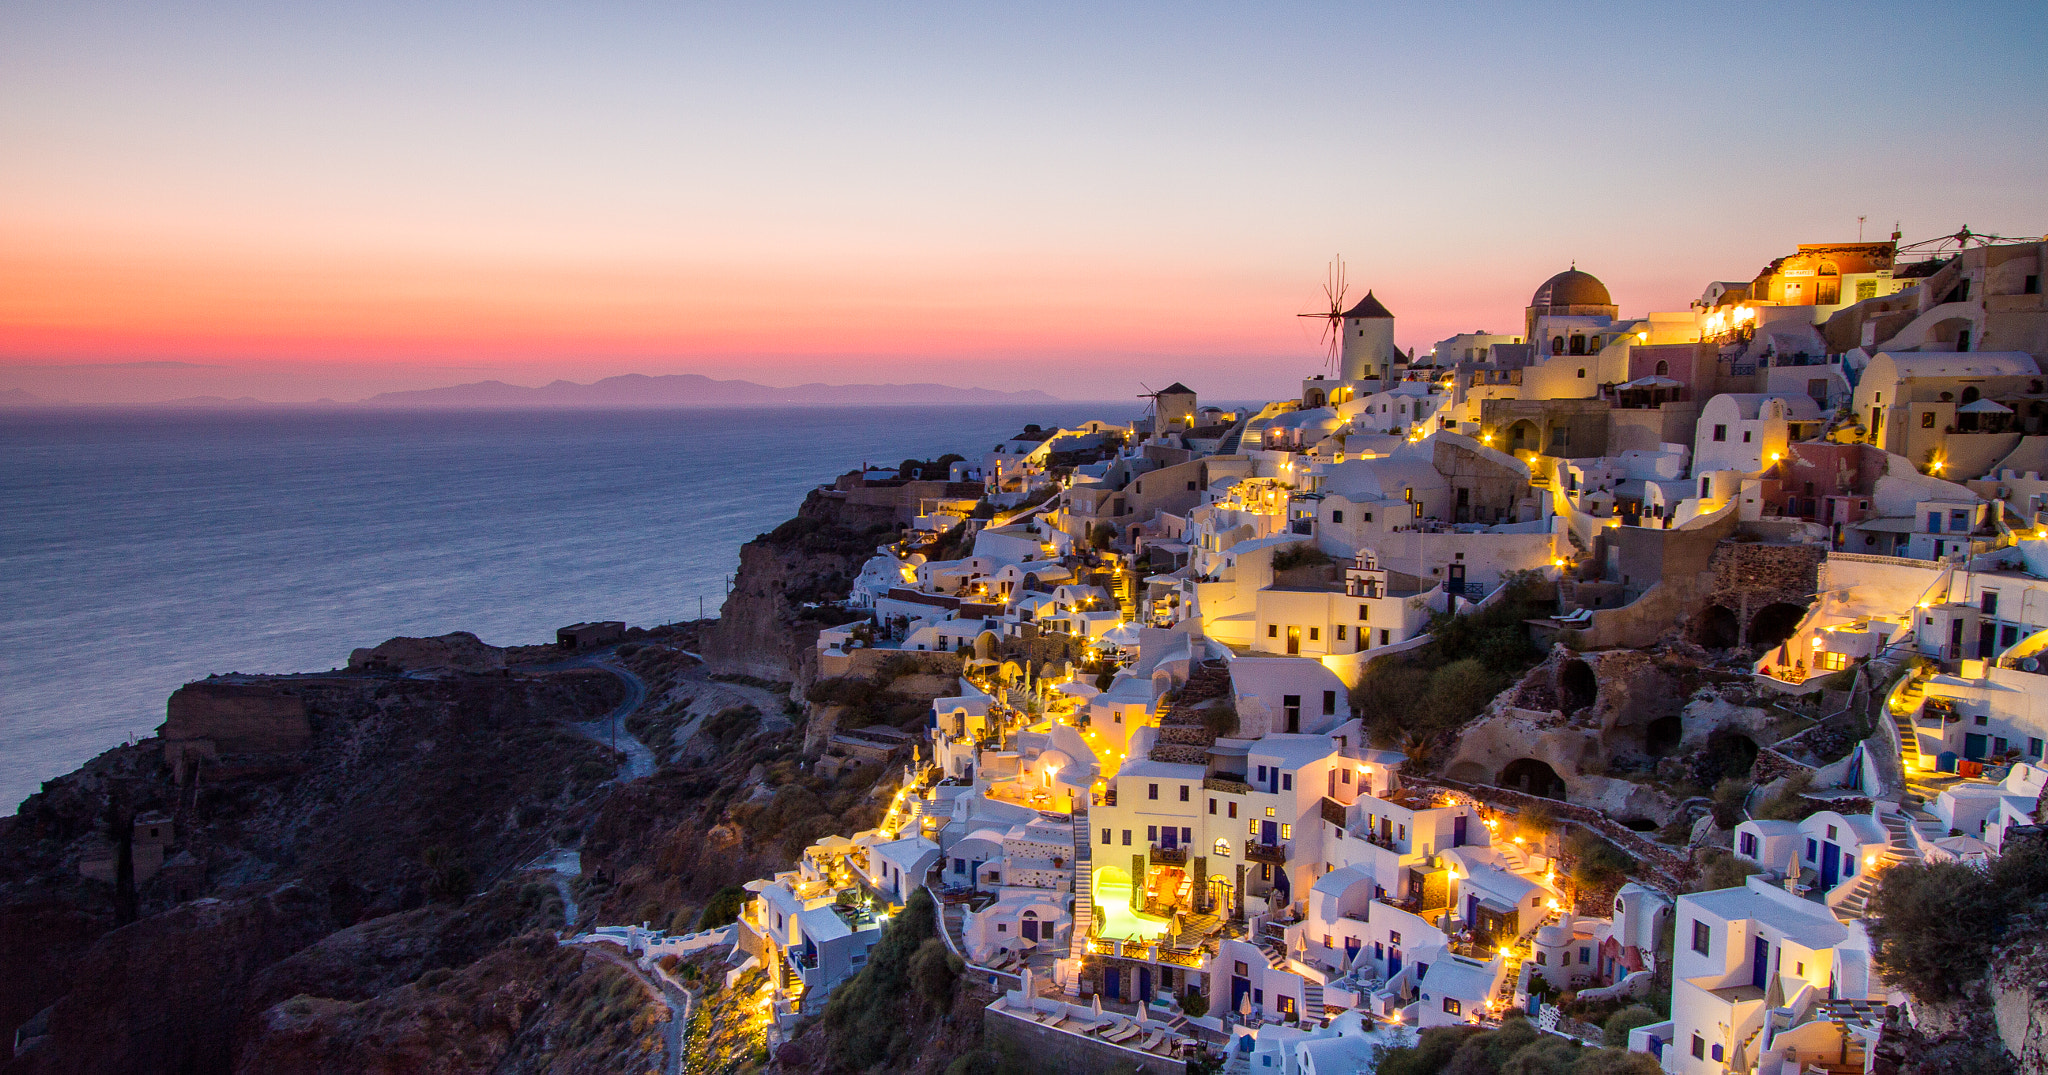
{"x":1899,"y":849}
{"x":1125,"y":590}
{"x":1184,"y":737}
{"x":1904,"y":704}
{"x":1084,"y":886}
{"x":1312,"y":1001}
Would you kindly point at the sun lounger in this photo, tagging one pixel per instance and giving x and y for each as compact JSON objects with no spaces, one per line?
{"x":1153,"y":1039}
{"x":1123,"y":1033}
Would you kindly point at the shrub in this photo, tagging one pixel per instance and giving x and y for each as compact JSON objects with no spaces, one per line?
{"x":865,"y":1013}
{"x":1302,"y":555}
{"x":724,"y":908}
{"x":1595,"y":862}
{"x":1194,"y":1002}
{"x":1721,"y":868}
{"x":933,"y":971}
{"x":1620,"y":1023}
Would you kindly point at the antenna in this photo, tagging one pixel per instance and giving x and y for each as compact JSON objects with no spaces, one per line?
{"x":1859,"y":229}
{"x":1333,"y":319}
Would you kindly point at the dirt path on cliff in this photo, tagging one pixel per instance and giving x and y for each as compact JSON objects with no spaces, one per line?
{"x":611,"y":728}
{"x":676,"y":1031}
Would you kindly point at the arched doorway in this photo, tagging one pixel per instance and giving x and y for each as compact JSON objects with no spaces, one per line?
{"x":1532,"y":777}
{"x":1662,"y":736}
{"x":1716,"y":627}
{"x":1730,"y":755}
{"x":1774,"y":623}
{"x":1576,"y":686}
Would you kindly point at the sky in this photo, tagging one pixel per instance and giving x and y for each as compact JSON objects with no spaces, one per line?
{"x":297,"y":200}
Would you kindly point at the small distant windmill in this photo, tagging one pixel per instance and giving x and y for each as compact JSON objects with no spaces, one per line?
{"x":1151,"y":399}
{"x":1333,"y":318}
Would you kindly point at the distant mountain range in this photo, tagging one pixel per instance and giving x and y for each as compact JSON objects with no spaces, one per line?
{"x":691,"y":390}
{"x":629,"y":390}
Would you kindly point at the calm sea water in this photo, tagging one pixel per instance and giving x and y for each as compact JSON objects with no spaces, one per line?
{"x":141,"y":550}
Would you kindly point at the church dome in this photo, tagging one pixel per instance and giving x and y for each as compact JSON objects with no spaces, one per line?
{"x":1572,"y":288}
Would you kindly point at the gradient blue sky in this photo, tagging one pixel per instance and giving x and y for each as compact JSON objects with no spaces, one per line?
{"x":297,"y":200}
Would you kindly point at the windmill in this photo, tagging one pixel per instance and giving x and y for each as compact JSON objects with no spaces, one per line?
{"x":1333,"y":318}
{"x":1963,"y":239}
{"x":1151,"y":399}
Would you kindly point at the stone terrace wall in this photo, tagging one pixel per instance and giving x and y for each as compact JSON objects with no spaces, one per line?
{"x":1665,"y":869}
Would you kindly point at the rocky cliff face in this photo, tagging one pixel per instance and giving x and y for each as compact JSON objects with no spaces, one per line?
{"x":789,"y":583}
{"x":409,"y":794}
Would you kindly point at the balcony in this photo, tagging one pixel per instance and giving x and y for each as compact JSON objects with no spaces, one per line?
{"x":1169,"y":856}
{"x":1275,"y":854}
{"x":1226,"y":784}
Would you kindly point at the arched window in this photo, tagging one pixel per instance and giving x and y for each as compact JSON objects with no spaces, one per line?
{"x":1663,"y":367}
{"x":1970,"y":395}
{"x":1557,"y":345}
{"x":1222,"y":848}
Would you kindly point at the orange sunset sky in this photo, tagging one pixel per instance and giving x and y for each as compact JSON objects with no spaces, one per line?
{"x":293,"y":201}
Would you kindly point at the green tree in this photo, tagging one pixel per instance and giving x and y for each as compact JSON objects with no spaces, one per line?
{"x":1621,"y":1022}
{"x":724,"y":908}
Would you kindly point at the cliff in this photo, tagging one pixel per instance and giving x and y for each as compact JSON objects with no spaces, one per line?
{"x":789,"y":584}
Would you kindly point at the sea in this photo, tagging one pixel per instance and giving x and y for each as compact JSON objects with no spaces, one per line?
{"x":143,"y":549}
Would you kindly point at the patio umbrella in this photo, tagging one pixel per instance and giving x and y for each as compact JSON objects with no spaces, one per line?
{"x":1025,"y":977}
{"x":1098,"y":1006}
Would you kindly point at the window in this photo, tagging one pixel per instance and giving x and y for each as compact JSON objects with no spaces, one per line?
{"x":1987,"y":602}
{"x":1272,"y":630}
{"x":1336,"y":516}
{"x":1315,"y":634}
{"x":1364,"y":612}
{"x":1585,"y":955}
{"x":1384,"y":636}
{"x":1270,"y":813}
{"x":1452,"y":1007}
{"x":1717,"y":1051}
{"x":1212,"y":804}
{"x":1663,"y":367}
{"x":1927,"y":419}
{"x":1812,"y":850}
{"x":1341,"y":629}
{"x":2034,"y":748}
{"x":1152,"y":791}
{"x":1222,"y":849}
{"x":1002,"y":927}
{"x":1106,"y":838}
{"x":1151,"y":834}
{"x":1252,"y":827}
{"x":1286,"y":831}
{"x":1749,"y":845}
{"x":1699,"y":1047}
{"x":1557,"y":345}
{"x":1286,"y":781}
{"x":1833,"y":662}
{"x":1745,"y":436}
{"x":1542,"y":959}
{"x":1702,"y":938}
{"x":1368,"y":516}
{"x":1582,"y":373}
{"x":1183,"y":793}
{"x":1347,"y":773}
{"x":1233,"y":809}
{"x":1127,"y":837}
{"x":1720,"y":432}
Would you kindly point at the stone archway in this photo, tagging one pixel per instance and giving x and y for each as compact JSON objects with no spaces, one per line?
{"x":1662,"y":736}
{"x":1716,"y":627}
{"x":1774,"y":623}
{"x":1577,"y":687}
{"x":1532,"y":777}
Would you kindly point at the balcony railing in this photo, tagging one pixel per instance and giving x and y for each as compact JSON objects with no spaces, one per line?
{"x":1226,"y":784}
{"x":1169,"y":856}
{"x":1270,"y":853}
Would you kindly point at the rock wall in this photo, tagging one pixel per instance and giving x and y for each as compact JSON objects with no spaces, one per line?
{"x":461,"y":651}
{"x":207,"y":720}
{"x":760,"y":630}
{"x":2018,"y":985}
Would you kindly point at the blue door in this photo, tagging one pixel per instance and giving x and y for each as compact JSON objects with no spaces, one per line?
{"x":1760,"y":972}
{"x":1975,"y":746}
{"x":1240,"y":988}
{"x":1458,"y":831}
{"x":1351,"y":947}
{"x":1112,"y":983}
{"x":1144,"y":985}
{"x":1269,"y":832}
{"x":1393,"y":961}
{"x":1945,"y":762}
{"x":1830,"y":866}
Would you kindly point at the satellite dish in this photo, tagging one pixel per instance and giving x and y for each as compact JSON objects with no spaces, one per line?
{"x":2029,"y":664}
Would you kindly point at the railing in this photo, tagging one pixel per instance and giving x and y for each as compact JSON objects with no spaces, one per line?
{"x":1169,"y":856}
{"x":1225,"y":784}
{"x":1333,"y":812}
{"x":1275,"y":854}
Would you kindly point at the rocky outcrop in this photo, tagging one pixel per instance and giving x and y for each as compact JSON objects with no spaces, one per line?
{"x":2018,"y":985}
{"x":207,"y":720}
{"x":459,"y":651}
{"x":788,"y":584}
